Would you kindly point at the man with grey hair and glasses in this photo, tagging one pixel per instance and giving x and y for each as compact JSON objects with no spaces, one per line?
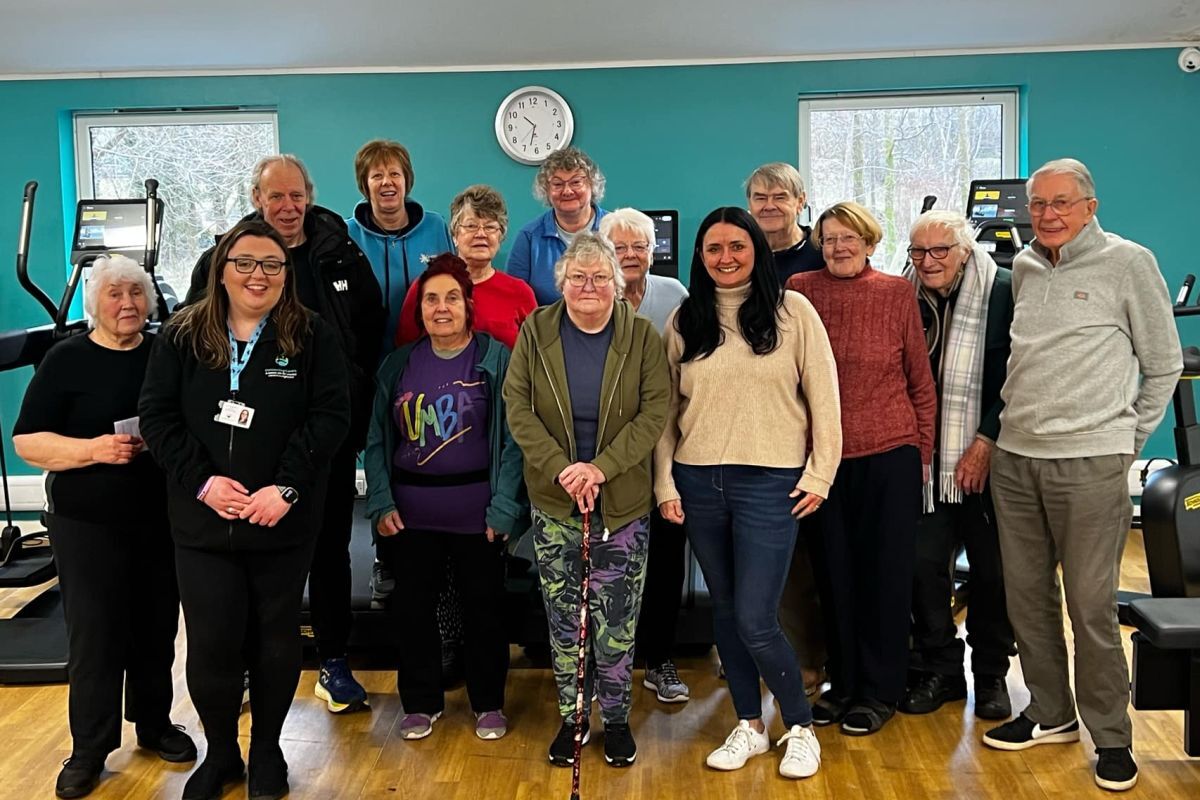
{"x":1095,"y":358}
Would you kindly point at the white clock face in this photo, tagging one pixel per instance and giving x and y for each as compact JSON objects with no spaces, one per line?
{"x":532,"y":123}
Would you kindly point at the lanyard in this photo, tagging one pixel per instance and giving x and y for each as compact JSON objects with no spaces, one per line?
{"x":236,"y":365}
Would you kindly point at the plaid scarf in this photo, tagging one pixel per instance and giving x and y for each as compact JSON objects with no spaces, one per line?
{"x":961,"y":381}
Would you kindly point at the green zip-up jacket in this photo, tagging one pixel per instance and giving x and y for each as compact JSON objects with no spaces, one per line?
{"x":508,"y":512}
{"x":633,"y":412}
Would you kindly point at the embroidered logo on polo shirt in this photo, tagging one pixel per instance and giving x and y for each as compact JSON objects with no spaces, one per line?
{"x":341,"y":286}
{"x":281,"y":360}
{"x":426,"y":258}
{"x":1081,"y":295}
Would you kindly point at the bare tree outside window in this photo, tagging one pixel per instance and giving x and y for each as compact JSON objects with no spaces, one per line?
{"x":889,"y":153}
{"x":202,"y":164}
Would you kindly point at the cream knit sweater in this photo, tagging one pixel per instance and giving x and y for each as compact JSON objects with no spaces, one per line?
{"x":735,"y":407}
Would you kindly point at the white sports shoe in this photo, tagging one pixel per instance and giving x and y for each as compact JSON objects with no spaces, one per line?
{"x":802,"y":758}
{"x":741,"y":745}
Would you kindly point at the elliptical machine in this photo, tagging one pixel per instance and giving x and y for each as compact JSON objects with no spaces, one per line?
{"x":33,"y":643}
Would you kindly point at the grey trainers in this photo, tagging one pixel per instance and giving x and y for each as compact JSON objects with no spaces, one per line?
{"x":491,"y":724}
{"x":417,"y":726}
{"x":665,"y":682}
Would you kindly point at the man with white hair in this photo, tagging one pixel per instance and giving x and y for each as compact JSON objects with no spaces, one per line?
{"x":1095,"y":358}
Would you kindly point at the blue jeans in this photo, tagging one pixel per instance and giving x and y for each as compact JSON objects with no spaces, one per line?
{"x":738,"y":519}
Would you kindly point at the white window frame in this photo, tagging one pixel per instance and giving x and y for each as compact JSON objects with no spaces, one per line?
{"x":85,"y":120}
{"x":1007,"y":99}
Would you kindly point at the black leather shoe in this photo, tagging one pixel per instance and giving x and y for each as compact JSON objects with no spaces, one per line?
{"x":171,"y":743}
{"x":991,"y":698}
{"x":210,"y":778}
{"x":932,"y":691}
{"x":79,"y":776}
{"x":268,"y":773}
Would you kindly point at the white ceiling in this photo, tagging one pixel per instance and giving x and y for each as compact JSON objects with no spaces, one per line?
{"x":39,"y":37}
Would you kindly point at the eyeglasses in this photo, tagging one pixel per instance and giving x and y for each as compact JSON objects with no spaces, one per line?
{"x":246,"y":265}
{"x":472,"y":228}
{"x":1061,"y":206}
{"x":847,"y":239}
{"x":641,"y":248}
{"x":579,"y":280}
{"x":941,"y":251}
{"x":575,"y":185}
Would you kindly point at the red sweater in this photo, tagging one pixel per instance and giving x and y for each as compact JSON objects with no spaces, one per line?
{"x":887,"y":390}
{"x":502,"y":303}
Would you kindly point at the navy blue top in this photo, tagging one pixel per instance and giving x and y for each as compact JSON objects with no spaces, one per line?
{"x":584,"y":354}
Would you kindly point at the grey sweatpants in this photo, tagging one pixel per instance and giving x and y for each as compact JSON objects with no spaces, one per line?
{"x":1074,"y":512}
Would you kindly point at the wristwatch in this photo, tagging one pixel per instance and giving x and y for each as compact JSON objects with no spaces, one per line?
{"x":289,"y":495}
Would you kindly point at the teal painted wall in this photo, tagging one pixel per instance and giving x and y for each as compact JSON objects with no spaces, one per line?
{"x":667,"y":137}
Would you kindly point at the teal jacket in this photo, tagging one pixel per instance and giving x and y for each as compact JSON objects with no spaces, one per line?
{"x":508,"y":511}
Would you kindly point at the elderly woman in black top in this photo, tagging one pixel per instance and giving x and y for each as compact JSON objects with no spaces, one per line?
{"x":108,"y":525}
{"x":244,"y":405}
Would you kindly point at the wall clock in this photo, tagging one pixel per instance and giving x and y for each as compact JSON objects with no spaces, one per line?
{"x":532,"y":122}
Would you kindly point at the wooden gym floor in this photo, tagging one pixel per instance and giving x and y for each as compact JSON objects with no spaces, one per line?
{"x":362,"y":755}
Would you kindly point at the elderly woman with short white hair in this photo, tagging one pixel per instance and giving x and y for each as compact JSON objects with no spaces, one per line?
{"x":654,"y":297}
{"x":108,"y":525}
{"x":966,"y":306}
{"x":586,"y":394}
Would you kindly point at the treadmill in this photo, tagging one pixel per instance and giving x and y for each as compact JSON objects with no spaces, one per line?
{"x":33,"y":643}
{"x":999,"y":211}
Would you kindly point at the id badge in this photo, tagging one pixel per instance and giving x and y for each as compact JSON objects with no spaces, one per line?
{"x":239,"y":415}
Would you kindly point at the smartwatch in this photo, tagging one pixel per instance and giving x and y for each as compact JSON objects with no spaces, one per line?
{"x":289,"y":495}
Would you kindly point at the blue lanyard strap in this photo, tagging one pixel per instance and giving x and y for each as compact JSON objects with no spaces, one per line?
{"x":236,"y":365}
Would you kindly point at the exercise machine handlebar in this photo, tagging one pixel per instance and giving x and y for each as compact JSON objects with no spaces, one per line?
{"x":23,"y":251}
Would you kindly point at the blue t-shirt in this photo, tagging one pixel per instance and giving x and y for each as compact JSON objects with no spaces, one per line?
{"x":584,"y":354}
{"x":441,"y":458}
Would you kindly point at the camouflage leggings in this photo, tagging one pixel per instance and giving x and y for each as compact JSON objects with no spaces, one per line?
{"x":614,"y":600}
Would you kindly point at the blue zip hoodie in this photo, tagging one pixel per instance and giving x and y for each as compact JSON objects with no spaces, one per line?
{"x":535,"y":251}
{"x":398,"y":260}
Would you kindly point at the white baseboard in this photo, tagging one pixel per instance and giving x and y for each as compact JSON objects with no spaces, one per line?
{"x":27,"y":492}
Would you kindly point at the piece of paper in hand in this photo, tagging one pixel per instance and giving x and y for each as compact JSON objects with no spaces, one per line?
{"x":129,"y":426}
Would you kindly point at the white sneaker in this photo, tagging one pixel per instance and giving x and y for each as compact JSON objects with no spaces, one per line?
{"x":802,"y":758}
{"x":742,"y":745}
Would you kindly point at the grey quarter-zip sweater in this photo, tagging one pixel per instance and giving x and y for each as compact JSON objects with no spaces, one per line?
{"x":1095,"y":352}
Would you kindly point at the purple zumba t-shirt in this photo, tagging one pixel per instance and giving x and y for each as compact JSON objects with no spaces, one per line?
{"x":440,"y":410}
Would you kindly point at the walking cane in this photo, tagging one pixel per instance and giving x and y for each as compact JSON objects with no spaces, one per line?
{"x":581,"y":667}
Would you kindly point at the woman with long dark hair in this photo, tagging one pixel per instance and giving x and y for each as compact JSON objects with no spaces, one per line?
{"x":244,"y":404}
{"x":737,"y":467}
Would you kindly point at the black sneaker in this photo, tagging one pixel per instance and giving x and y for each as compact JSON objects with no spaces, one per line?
{"x":268,"y":773}
{"x":1116,"y":770}
{"x":210,"y":778}
{"x":562,"y":749}
{"x":1023,"y":733}
{"x":991,"y":697}
{"x":829,"y":708}
{"x":171,"y":743}
{"x":932,"y":691}
{"x":619,"y":748}
{"x":79,"y":776}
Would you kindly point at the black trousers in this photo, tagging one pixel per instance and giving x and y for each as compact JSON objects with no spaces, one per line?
{"x":868,"y":527}
{"x":416,"y":558}
{"x":242,"y":612}
{"x":663,"y":592}
{"x":122,"y":610}
{"x":936,"y":647}
{"x":329,"y":575}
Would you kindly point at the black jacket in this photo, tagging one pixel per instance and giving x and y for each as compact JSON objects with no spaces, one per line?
{"x":301,"y":417}
{"x":348,"y":298}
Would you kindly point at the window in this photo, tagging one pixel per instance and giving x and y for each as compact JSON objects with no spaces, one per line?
{"x":888,"y":152}
{"x":202,"y":162}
